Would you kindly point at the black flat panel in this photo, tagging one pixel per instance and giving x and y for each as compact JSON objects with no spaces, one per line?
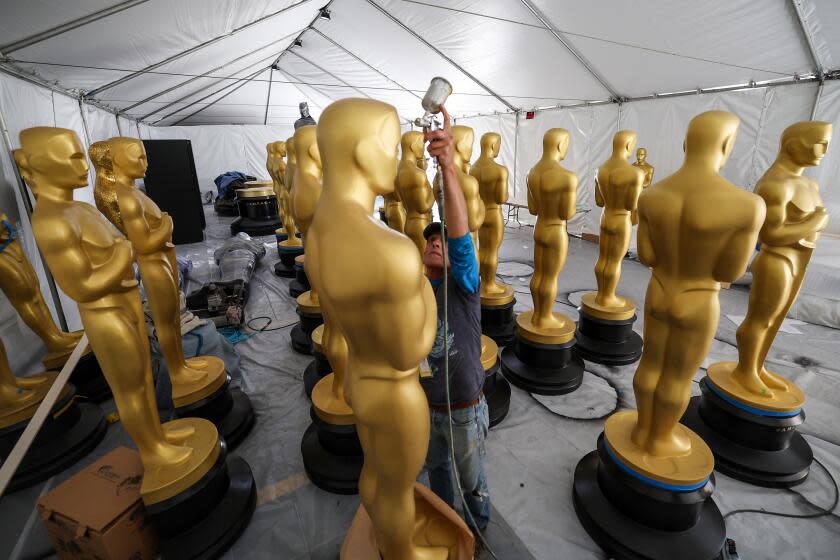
{"x":171,"y":181}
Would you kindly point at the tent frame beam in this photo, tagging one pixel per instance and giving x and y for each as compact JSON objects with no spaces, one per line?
{"x":327,"y":72}
{"x":543,"y":19}
{"x":268,"y":96}
{"x":358,"y":59}
{"x":243,"y":82}
{"x":69,"y":26}
{"x":413,"y":33}
{"x":190,"y":50}
{"x":803,"y":27}
{"x":199,"y":76}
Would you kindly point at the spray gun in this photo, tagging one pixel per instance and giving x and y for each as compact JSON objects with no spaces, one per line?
{"x":439,"y":90}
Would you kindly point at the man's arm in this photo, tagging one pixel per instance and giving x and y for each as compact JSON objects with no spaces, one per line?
{"x":442,"y":146}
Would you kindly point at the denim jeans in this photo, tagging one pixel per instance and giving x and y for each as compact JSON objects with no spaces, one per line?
{"x":469,"y":429}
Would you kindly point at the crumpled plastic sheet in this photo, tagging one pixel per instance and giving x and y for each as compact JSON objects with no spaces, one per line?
{"x":531,"y":455}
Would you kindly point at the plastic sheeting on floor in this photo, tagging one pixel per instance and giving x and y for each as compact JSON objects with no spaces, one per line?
{"x":530,"y":456}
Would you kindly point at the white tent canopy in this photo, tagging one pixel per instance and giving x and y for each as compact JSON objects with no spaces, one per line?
{"x":229,"y":75}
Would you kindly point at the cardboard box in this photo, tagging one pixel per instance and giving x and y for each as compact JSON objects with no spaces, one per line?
{"x":98,"y":513}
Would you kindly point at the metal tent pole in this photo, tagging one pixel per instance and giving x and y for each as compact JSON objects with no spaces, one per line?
{"x":268,"y":97}
{"x":191,"y":50}
{"x":69,"y":26}
{"x":393,"y":18}
{"x":809,"y":39}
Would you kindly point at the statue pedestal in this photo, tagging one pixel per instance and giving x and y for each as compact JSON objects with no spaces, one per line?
{"x":605,"y":335}
{"x":301,"y":282}
{"x":69,"y":433}
{"x":225,"y":207}
{"x":320,"y":366}
{"x":258,"y":211}
{"x":280,"y":235}
{"x":630,"y":515}
{"x":751,"y":443}
{"x":332,"y":453}
{"x":497,"y":318}
{"x":229,"y":409}
{"x":310,"y":317}
{"x":543,"y":363}
{"x":496,"y":388}
{"x":211,"y":507}
{"x":286,"y":267}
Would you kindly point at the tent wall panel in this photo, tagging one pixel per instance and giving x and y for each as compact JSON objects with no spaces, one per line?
{"x":829,"y":170}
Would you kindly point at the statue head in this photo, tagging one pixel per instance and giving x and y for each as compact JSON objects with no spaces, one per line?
{"x":100,"y":157}
{"x":360,"y":136}
{"x":641,"y":155}
{"x":710,"y":138}
{"x":623,"y":143}
{"x":51,"y":156}
{"x":306,"y":147}
{"x":128,"y":156}
{"x":491,"y":142}
{"x":464,"y":137}
{"x":413,"y":143}
{"x":556,"y":142}
{"x":304,"y":109}
{"x":805,"y":143}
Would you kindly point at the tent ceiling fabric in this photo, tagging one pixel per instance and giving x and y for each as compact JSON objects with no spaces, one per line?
{"x":496,"y":53}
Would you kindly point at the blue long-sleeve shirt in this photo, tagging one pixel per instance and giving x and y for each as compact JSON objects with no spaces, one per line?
{"x":466,"y":374}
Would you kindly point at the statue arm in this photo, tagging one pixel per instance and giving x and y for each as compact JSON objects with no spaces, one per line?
{"x":569,"y":198}
{"x":644,"y":246}
{"x":424,"y":190}
{"x":532,"y":199}
{"x":142,"y":236}
{"x":776,"y":230}
{"x":740,"y":247}
{"x":502,"y":193}
{"x":599,"y":196}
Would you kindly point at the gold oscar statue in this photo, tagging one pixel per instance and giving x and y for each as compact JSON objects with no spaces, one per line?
{"x":383,"y":307}
{"x":290,"y":248}
{"x":696,"y":230}
{"x":20,"y":396}
{"x":276,"y":167}
{"x":395,"y":212}
{"x":643,"y":164}
{"x":307,"y":191}
{"x":150,"y":232}
{"x":20,"y":284}
{"x":647,"y":489}
{"x":795,"y":217}
{"x":492,"y":181}
{"x":92,"y":263}
{"x":541,"y":359}
{"x":464,"y":136}
{"x":414,"y":188}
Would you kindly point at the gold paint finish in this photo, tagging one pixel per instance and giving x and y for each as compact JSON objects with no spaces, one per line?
{"x":463,"y":136}
{"x":383,"y":307}
{"x":328,"y":406}
{"x":787,"y":399}
{"x":413,"y":187}
{"x":317,"y":338}
{"x":642,"y":163}
{"x":489,"y":352}
{"x":394,"y":211}
{"x":552,"y":195}
{"x":92,"y":264}
{"x":255,"y":191}
{"x":492,"y":181}
{"x":276,"y":167}
{"x":165,"y":480}
{"x":150,"y":233}
{"x":795,"y":217}
{"x":682,"y":469}
{"x":593,"y":309}
{"x":617,"y":189}
{"x":696,"y":230}
{"x":288,"y":202}
{"x":307,"y":185}
{"x":20,"y":284}
{"x":20,"y":396}
{"x":104,"y":189}
{"x":308,"y":302}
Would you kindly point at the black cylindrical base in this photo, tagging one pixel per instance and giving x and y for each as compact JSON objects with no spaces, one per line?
{"x":88,"y":380}
{"x":629,"y":518}
{"x":69,"y":433}
{"x":257,"y":216}
{"x":203,"y":521}
{"x":612,"y":343}
{"x":544,"y":369}
{"x":229,"y":409}
{"x":497,"y":392}
{"x":225,"y":207}
{"x":315,"y":371}
{"x":301,"y":283}
{"x":499,"y":322}
{"x":286,"y":267}
{"x":761,"y":450}
{"x":332,"y":456}
{"x":301,"y":334}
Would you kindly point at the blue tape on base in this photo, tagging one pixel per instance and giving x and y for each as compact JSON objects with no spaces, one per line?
{"x":752,"y":410}
{"x":651,"y":481}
